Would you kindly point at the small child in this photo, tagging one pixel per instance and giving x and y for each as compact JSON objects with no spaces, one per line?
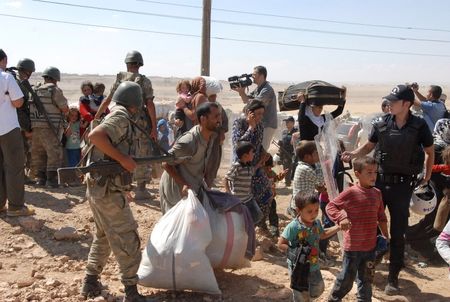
{"x":443,"y":245}
{"x":86,"y":89}
{"x":73,"y":137}
{"x":96,"y":98}
{"x":165,"y":135}
{"x":306,"y":228}
{"x":358,"y":211}
{"x":443,"y":206}
{"x":308,"y":176}
{"x":273,"y":177}
{"x":184,"y":94}
{"x":184,"y":99}
{"x":238,"y":179}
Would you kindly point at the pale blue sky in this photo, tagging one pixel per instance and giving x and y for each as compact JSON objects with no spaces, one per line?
{"x":84,"y":49}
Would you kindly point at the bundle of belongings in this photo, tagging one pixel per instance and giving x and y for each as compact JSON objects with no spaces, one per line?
{"x":316,"y":92}
{"x":194,"y":237}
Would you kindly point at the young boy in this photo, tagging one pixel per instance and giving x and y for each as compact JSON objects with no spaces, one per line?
{"x":286,"y":151}
{"x":308,"y":176}
{"x":358,"y":211}
{"x":239,"y":178}
{"x":273,"y":177}
{"x":306,"y":227}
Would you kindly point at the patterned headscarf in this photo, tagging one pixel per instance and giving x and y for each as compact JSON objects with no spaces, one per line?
{"x":442,"y":132}
{"x":198,"y":85}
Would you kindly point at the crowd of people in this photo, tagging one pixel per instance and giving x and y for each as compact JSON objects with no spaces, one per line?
{"x":39,"y":132}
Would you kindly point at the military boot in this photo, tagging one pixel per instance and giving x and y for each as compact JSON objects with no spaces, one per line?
{"x":141,"y":192}
{"x":132,"y":295}
{"x":91,"y":287}
{"x":52,"y":179}
{"x":41,"y":178}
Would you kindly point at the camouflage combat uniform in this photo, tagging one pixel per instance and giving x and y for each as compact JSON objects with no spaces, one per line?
{"x":116,"y":229}
{"x":23,"y":114}
{"x":46,"y":148}
{"x":141,"y":146}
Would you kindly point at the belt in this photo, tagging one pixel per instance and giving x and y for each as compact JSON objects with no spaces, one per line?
{"x":396,"y":178}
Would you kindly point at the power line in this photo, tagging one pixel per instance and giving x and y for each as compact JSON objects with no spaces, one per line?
{"x":300,"y":18}
{"x":247,"y":24}
{"x":227,"y":39}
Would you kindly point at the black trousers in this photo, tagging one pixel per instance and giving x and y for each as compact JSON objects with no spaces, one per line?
{"x":396,"y":198}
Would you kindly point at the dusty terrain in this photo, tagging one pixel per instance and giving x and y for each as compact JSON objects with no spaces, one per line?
{"x":34,"y":266}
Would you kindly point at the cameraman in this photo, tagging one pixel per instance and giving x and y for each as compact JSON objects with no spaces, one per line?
{"x":264,"y":93}
{"x":433,"y":108}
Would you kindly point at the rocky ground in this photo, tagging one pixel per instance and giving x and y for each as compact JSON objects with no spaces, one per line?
{"x":42,"y":258}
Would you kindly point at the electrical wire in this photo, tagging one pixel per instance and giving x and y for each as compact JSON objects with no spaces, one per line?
{"x":298,"y":18}
{"x":247,"y":24}
{"x":227,"y":39}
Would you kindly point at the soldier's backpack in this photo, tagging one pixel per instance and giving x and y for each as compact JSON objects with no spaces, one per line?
{"x":316,"y":92}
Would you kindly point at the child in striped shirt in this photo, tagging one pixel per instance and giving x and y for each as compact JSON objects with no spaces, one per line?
{"x":239,"y":178}
{"x":358,"y":210}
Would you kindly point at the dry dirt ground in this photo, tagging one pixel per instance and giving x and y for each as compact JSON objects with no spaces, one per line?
{"x":34,"y":266}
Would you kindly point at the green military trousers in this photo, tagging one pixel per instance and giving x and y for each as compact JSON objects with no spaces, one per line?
{"x":116,"y":231}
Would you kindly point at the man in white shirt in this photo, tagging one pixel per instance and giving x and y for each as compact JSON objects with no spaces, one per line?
{"x":11,"y":145}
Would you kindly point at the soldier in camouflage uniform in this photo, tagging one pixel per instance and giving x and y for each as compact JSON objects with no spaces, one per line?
{"x":46,"y":148}
{"x":146,"y":118}
{"x":116,"y":229}
{"x":25,"y":68}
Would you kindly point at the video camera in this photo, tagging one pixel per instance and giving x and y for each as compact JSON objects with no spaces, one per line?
{"x":244,"y":80}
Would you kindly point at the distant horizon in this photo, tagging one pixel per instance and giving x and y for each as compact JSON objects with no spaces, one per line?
{"x":442,"y":84}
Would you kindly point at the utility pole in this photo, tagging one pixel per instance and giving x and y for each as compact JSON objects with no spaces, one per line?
{"x":206,"y":37}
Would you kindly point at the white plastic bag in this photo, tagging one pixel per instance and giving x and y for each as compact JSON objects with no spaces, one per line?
{"x":229,"y":239}
{"x":175,"y":254}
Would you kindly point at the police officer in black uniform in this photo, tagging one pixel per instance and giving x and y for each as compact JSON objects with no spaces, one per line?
{"x":402,"y":143}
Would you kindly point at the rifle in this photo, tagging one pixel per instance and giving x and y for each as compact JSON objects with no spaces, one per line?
{"x":40,"y":107}
{"x":105,"y":168}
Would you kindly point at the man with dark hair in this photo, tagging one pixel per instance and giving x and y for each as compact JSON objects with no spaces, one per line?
{"x":193,"y":148}
{"x":433,"y":108}
{"x":399,"y":139}
{"x":264,"y":93}
{"x":11,"y":145}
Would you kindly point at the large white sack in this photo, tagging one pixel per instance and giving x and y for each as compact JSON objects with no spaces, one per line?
{"x":175,"y":256}
{"x":229,"y":239}
{"x":213,"y":85}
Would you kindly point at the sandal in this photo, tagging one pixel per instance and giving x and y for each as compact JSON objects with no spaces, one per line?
{"x":24,"y":211}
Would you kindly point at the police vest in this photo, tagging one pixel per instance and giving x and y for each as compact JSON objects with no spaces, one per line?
{"x":399,"y":151}
{"x":55,"y":116}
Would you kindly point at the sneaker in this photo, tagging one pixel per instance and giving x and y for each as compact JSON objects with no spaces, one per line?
{"x":291,"y":212}
{"x":274,"y":231}
{"x":326,"y":261}
{"x":24,"y":211}
{"x":391,"y":289}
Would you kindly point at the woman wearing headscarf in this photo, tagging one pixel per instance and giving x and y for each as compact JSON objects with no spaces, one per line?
{"x":250,"y":129}
{"x":311,"y":119}
{"x":198,"y":92}
{"x":419,"y":236}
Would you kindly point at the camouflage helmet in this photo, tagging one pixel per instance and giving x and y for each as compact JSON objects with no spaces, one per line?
{"x":26,"y":64}
{"x":52,"y":72}
{"x":134,"y":56}
{"x":128,"y":94}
